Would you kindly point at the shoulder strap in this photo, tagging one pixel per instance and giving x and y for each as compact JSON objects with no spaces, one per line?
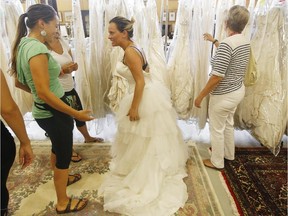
{"x":145,"y":63}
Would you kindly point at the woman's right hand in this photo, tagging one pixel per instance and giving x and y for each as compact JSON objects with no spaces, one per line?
{"x":84,"y":115}
{"x":208,"y":37}
{"x":26,"y":155}
{"x":70,"y":67}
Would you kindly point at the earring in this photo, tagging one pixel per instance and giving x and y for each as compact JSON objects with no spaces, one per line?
{"x":43,"y":33}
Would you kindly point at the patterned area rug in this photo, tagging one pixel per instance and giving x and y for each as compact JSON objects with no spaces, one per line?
{"x":257,"y":181}
{"x":32,"y":191}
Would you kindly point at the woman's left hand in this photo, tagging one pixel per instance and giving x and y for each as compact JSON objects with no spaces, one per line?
{"x":74,"y":66}
{"x":69,"y":68}
{"x":133,"y":115}
{"x":208,"y":37}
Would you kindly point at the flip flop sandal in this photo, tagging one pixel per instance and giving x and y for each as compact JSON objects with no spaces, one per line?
{"x":76,"y":178}
{"x":96,"y":140}
{"x":75,"y":155}
{"x":75,"y":209}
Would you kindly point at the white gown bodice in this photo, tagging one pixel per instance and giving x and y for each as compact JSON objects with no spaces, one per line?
{"x":125,"y":72}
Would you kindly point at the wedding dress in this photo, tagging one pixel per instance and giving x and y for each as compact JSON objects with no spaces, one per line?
{"x":180,"y":62}
{"x":9,"y":14}
{"x":148,"y":156}
{"x":202,"y":22}
{"x":13,"y":9}
{"x":147,"y":34}
{"x":262,"y":109}
{"x":81,"y":76}
{"x":284,"y":66}
{"x":188,"y":58}
{"x":222,"y":9}
{"x":155,"y":56}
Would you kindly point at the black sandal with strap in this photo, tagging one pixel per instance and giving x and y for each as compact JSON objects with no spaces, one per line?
{"x":76,"y":178}
{"x":75,"y":209}
{"x":75,"y":155}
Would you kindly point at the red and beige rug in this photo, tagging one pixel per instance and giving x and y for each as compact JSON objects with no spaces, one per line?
{"x":257,"y":181}
{"x":32,"y":190}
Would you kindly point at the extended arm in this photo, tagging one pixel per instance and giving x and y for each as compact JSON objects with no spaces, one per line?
{"x":40,"y":75}
{"x":209,"y":37}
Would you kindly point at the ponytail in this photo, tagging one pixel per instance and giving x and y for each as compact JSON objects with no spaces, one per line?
{"x":29,"y":19}
{"x":21,"y":32}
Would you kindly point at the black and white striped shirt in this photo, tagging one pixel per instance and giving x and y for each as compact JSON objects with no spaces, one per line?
{"x":230,"y":62}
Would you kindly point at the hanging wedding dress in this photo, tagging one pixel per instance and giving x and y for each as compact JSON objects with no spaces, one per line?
{"x":149,"y":155}
{"x":248,"y":30}
{"x":4,"y":47}
{"x":114,"y":85}
{"x":284,"y":65}
{"x":11,"y":10}
{"x":222,"y":9}
{"x":180,"y":62}
{"x":96,"y":64}
{"x":155,"y":54}
{"x":104,"y":96}
{"x":203,"y":21}
{"x":80,"y":56}
{"x":261,"y":110}
{"x":140,"y":26}
{"x":29,"y":3}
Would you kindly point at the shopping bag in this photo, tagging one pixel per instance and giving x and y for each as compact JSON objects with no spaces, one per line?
{"x":251,"y":74}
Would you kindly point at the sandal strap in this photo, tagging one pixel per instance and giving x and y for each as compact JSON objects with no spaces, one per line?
{"x":76,"y":206}
{"x":68,"y":205}
{"x":75,"y":154}
{"x":76,"y":178}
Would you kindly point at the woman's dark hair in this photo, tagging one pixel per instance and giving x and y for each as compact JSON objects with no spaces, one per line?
{"x":123,"y":24}
{"x":34,"y":13}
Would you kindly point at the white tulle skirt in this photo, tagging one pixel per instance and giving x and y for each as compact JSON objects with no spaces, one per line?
{"x":149,"y":157}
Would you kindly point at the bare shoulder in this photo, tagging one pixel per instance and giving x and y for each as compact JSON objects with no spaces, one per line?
{"x":132,"y":53}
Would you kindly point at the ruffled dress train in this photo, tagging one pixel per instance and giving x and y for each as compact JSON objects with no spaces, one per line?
{"x":148,"y":156}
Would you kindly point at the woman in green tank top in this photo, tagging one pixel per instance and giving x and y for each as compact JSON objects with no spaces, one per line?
{"x":37,"y":72}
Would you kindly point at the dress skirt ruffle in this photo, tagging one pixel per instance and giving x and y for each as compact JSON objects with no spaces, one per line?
{"x":148,"y":159}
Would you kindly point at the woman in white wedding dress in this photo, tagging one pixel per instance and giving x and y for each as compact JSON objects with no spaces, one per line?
{"x":149,"y":155}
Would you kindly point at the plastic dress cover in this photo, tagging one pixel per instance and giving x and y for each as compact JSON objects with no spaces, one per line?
{"x":263,"y":111}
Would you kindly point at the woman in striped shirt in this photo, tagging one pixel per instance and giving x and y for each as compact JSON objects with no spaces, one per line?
{"x":225,"y":86}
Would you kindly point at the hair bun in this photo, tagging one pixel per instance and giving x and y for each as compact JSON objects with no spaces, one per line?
{"x":132,"y":21}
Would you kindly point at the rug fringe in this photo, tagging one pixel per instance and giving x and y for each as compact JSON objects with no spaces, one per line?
{"x":231,"y":198}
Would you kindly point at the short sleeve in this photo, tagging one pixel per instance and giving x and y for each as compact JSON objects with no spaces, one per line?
{"x":35,"y":49}
{"x":221,"y":60}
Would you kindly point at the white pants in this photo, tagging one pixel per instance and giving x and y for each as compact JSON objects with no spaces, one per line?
{"x":221,"y":124}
